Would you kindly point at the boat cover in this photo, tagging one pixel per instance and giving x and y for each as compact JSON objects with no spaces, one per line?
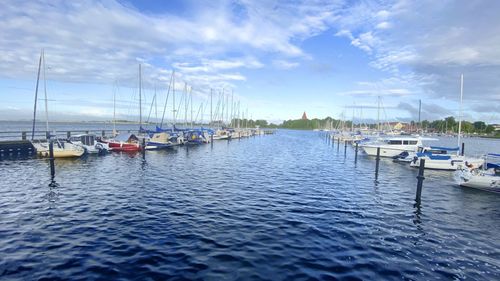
{"x":445,"y":148}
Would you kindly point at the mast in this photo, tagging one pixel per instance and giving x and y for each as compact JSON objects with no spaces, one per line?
{"x":419,"y":112}
{"x":36,"y":95}
{"x":45,"y":91}
{"x":191,"y":102}
{"x":185,"y":105}
{"x":211,"y":116}
{"x":173,"y":99}
{"x":140,"y":97}
{"x":166,"y":101}
{"x":114,"y":111}
{"x":460,"y":109}
{"x":378,"y":114}
{"x":232,"y":107}
{"x":352,"y":121}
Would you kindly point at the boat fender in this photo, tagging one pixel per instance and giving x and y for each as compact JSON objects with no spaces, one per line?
{"x":474,"y":172}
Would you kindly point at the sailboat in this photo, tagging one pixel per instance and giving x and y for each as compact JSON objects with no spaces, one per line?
{"x":61,"y":149}
{"x":127,"y":142}
{"x":448,"y":161}
{"x":487,"y":178}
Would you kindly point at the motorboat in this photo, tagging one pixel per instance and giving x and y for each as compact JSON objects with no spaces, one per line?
{"x":89,"y":143}
{"x":390,"y":147}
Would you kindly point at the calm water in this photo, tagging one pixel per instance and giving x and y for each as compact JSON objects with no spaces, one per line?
{"x":280,"y":207}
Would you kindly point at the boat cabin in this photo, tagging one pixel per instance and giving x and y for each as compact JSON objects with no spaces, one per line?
{"x":401,"y":141}
{"x":86,"y":139}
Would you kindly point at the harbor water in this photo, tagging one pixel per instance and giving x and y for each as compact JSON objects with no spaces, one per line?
{"x":286,"y":206}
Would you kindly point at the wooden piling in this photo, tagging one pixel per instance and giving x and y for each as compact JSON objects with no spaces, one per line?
{"x":463,"y":149}
{"x":356,"y":154}
{"x":345,"y":148}
{"x":420,"y":180}
{"x":338,"y":144}
{"x":103,"y":133}
{"x":51,"y":160}
{"x":23,"y":135}
{"x":377,"y":163}
{"x":144,"y":148}
{"x":68,"y":134}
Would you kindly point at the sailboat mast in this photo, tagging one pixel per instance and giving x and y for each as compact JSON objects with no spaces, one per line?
{"x":36,"y":95}
{"x":45,"y":91}
{"x":191,"y":102}
{"x":114,"y":111}
{"x":378,"y":114}
{"x":140,"y":97}
{"x":173,"y":99}
{"x":419,"y":112}
{"x":185,"y":104}
{"x":211,"y":116}
{"x":232,"y":108}
{"x":460,"y":109}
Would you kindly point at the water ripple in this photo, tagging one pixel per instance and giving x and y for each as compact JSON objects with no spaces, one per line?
{"x":279,"y":207}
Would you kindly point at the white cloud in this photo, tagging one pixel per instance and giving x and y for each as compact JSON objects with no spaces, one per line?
{"x":101,"y":41}
{"x":383,"y":25}
{"x":432,"y":43}
{"x":282,"y":64}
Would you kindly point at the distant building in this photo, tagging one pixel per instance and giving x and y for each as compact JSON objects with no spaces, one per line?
{"x":304,"y":116}
{"x":399,"y":126}
{"x":496,"y":126}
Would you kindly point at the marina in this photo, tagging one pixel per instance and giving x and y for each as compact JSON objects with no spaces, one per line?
{"x":255,"y":207}
{"x":249,"y":140}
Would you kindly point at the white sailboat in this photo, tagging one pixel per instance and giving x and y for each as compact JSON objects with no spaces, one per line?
{"x":449,"y":161}
{"x":61,"y":149}
{"x":487,"y":178}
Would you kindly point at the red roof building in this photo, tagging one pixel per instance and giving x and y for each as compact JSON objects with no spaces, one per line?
{"x":304,"y":116}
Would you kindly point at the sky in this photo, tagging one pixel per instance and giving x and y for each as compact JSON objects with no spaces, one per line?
{"x":276,"y":59}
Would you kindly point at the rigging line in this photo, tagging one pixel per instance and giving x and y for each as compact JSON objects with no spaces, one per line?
{"x":166,"y":101}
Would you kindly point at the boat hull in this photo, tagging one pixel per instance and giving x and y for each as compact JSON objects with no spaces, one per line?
{"x":452,"y":164}
{"x":479,"y":180}
{"x":386,"y":151}
{"x":125,"y":147}
{"x":158,"y":146}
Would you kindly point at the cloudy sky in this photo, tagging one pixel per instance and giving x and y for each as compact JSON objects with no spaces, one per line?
{"x":278,"y":58}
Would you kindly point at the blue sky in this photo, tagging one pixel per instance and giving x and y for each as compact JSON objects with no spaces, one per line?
{"x":279,"y":58}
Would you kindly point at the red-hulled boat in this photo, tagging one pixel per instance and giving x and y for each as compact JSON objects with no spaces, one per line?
{"x":125,"y":143}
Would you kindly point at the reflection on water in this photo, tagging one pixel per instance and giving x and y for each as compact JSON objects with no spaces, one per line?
{"x":286,"y":206}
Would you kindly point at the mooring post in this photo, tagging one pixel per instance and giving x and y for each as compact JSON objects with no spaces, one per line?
{"x":47,"y":135}
{"x":23,"y":135}
{"x":338,"y":144}
{"x":377,"y":160}
{"x":144,"y":148}
{"x":103,"y":133}
{"x":463,"y":149}
{"x":345,"y":148}
{"x":212,"y":140}
{"x":420,"y":180}
{"x":68,"y":134}
{"x":51,"y":160}
{"x":356,"y":154}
